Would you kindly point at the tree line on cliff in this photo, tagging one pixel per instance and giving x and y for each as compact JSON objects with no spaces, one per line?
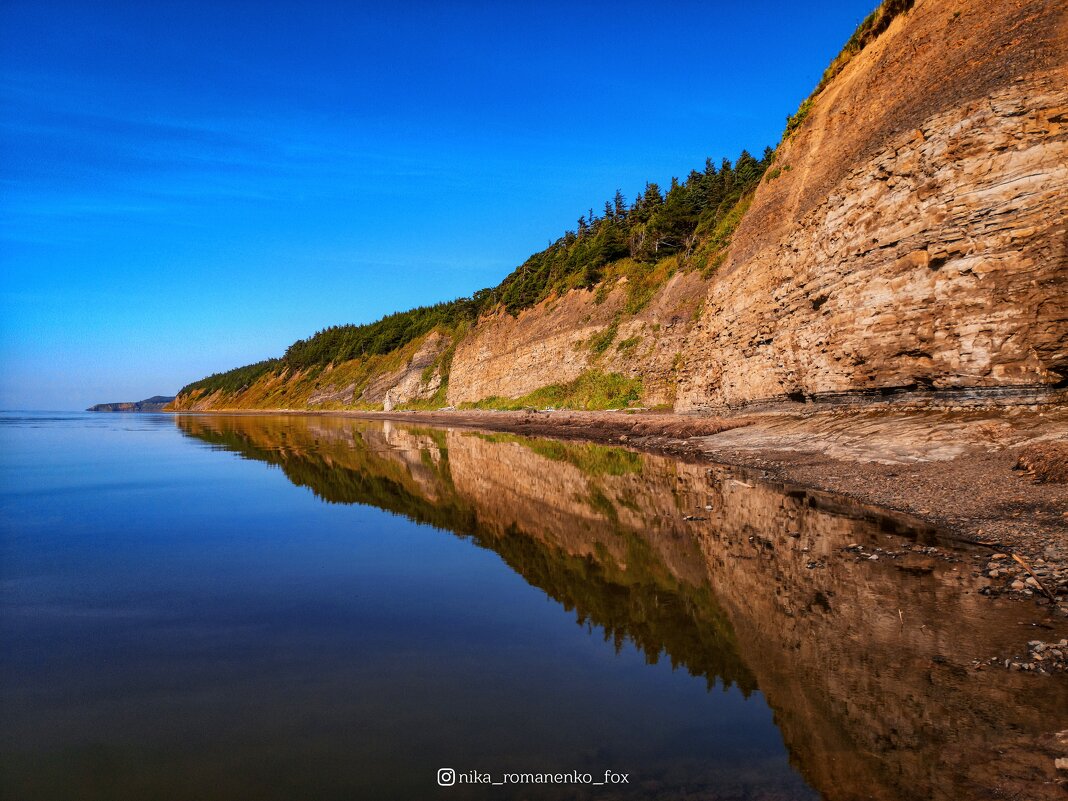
{"x":692,"y":222}
{"x":654,"y":226}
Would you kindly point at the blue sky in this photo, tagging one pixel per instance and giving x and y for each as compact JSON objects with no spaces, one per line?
{"x":190,"y":187}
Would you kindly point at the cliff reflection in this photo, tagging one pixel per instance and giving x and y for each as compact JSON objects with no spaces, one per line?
{"x":867,"y":665}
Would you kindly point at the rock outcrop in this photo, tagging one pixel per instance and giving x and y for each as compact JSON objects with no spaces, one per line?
{"x":916,"y":236}
{"x":506,"y":356}
{"x":417,"y":378}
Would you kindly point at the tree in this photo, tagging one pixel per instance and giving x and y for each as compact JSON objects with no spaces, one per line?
{"x":747,"y":169}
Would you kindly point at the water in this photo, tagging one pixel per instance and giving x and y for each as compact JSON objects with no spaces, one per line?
{"x":224,"y":607}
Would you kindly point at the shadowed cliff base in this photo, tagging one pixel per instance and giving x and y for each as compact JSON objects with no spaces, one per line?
{"x":872,"y":639}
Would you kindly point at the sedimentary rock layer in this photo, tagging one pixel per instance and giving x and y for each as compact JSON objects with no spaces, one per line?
{"x":913,"y":235}
{"x":916,"y":235}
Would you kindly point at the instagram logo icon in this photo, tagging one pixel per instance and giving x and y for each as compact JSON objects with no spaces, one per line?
{"x":446,"y":777}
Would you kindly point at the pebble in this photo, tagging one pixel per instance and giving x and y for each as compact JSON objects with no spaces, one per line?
{"x":1043,"y":657}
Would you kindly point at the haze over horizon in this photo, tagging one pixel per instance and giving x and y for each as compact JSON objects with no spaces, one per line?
{"x":191,"y":189}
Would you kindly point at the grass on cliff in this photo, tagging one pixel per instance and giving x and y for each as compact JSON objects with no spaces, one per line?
{"x":591,"y":390}
{"x":868,"y":30}
{"x":642,"y":282}
{"x":233,"y":381}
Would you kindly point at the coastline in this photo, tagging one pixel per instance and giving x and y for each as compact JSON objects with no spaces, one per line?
{"x":952,"y":470}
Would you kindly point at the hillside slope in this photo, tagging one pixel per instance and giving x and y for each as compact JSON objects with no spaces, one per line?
{"x":909,"y":234}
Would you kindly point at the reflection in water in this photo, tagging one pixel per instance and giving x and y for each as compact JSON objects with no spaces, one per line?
{"x":867,"y":664}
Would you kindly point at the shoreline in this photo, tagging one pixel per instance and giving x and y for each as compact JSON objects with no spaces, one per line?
{"x":952,"y":471}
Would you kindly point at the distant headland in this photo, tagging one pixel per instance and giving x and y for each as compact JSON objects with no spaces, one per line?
{"x":153,"y":404}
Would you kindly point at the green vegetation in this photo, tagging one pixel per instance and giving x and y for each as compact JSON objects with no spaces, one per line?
{"x":714,"y":245}
{"x":793,"y":122}
{"x":600,"y":341}
{"x":655,"y":226}
{"x":341,"y":343}
{"x":644,"y":241}
{"x":591,"y":390}
{"x":233,"y":380}
{"x":589,"y":457}
{"x":628,"y":345}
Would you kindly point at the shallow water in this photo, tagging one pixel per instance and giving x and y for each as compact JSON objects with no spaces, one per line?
{"x":312,"y":607}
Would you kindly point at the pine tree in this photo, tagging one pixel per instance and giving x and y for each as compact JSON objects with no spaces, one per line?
{"x":746,"y":170}
{"x":652,"y":197}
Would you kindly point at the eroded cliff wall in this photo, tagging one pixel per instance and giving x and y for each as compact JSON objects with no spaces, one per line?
{"x":912,"y":236}
{"x":506,"y":356}
{"x":915,"y":231}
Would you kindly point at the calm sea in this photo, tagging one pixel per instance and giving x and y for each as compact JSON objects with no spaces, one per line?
{"x":283,"y":607}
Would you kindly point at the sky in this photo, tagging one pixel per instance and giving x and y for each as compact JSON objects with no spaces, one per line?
{"x":190,"y":187}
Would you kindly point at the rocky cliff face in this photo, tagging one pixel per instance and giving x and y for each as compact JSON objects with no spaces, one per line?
{"x":912,"y":236}
{"x":916,"y":235}
{"x":412,"y":374}
{"x":509,"y":356}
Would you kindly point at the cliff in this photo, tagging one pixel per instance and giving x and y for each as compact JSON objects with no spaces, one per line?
{"x":911,"y":236}
{"x":154,"y":404}
{"x":917,"y":236}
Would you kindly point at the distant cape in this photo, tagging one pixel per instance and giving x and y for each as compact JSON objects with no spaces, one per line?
{"x":153,"y":404}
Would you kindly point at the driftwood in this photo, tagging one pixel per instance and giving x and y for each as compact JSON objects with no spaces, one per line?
{"x":1038,"y":581}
